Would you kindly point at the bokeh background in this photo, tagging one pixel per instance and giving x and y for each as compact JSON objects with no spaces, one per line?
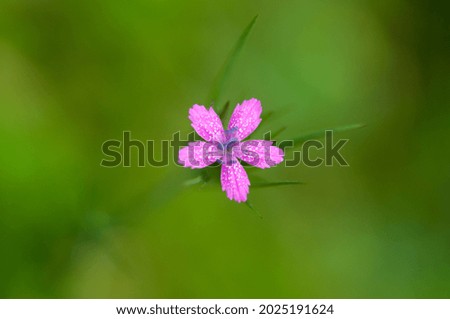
{"x":76,"y":73}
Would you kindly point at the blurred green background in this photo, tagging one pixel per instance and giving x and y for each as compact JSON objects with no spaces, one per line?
{"x":76,"y":73}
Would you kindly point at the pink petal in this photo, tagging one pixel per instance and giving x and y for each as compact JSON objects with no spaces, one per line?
{"x":259,"y":153}
{"x":198,"y":154}
{"x":206,"y":123}
{"x":235,"y":181}
{"x":246,"y":118}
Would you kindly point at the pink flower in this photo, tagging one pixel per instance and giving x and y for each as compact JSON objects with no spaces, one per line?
{"x":227,"y":146}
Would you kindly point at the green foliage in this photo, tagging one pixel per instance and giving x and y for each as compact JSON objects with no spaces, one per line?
{"x":75,"y":74}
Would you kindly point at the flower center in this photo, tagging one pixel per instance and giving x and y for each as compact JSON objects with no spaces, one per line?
{"x":230,"y":141}
{"x":227,"y":146}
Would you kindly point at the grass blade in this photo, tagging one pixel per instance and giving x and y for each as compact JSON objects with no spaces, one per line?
{"x":226,"y":68}
{"x":249,"y":205}
{"x":224,"y":111}
{"x":278,"y":132}
{"x":321,"y":133}
{"x":265,"y":116}
{"x":194,"y":181}
{"x":273,"y":184}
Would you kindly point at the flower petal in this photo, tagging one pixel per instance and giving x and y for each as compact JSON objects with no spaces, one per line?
{"x":206,"y":123}
{"x":259,"y":153}
{"x":198,"y":154}
{"x":235,"y":181}
{"x":245,"y":118}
